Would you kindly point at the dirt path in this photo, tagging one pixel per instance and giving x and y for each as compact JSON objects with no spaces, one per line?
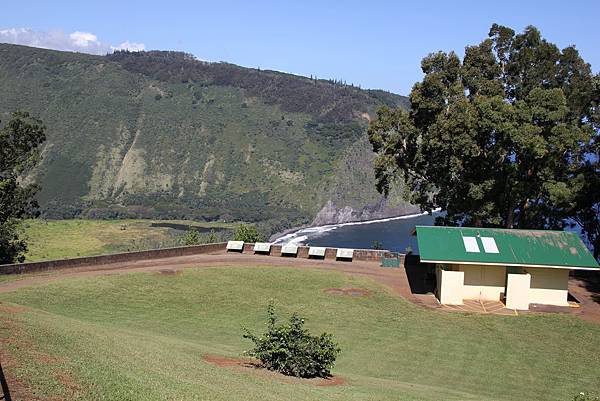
{"x":392,"y":278}
{"x":587,"y":292}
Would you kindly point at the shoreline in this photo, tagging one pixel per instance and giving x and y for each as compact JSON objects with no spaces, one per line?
{"x":291,"y":234}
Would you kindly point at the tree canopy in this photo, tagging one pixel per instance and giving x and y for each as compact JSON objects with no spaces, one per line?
{"x":20,"y":139}
{"x":505,"y":137}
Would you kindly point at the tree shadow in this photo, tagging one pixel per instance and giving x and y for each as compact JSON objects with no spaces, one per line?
{"x":5,"y":396}
{"x":590,"y":281}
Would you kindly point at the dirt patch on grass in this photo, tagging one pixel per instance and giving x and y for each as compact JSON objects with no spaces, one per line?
{"x":6,"y":308}
{"x":226,"y":362}
{"x":254,"y":366}
{"x":350,"y":292}
{"x":168,"y":272}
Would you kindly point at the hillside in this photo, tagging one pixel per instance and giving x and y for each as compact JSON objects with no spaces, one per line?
{"x":163,"y":135}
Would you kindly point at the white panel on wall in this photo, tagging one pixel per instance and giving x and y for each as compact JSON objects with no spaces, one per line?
{"x":262,"y":247}
{"x":235,"y":245}
{"x":316,"y":251}
{"x":289,"y":249}
{"x":345,"y":253}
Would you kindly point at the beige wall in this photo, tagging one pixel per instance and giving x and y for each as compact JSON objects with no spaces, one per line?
{"x":450,"y":286}
{"x":517,"y":291}
{"x":548,"y":286}
{"x":483,"y":282}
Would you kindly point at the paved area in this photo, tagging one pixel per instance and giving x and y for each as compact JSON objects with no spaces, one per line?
{"x":486,"y":307}
{"x":585,"y":290}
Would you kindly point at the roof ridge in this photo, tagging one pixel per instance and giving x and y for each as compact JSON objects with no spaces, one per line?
{"x":498,"y":228}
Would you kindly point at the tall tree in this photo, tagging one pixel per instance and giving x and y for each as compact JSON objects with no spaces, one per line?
{"x":494,"y":139}
{"x":20,"y":139}
{"x":585,"y":189}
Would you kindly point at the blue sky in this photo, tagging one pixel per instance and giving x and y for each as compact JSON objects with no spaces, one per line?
{"x":377,"y":44}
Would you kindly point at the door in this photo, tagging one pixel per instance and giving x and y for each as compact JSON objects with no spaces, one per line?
{"x":484,"y":282}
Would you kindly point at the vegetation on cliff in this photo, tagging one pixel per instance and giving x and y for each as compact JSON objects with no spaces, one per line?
{"x":162,"y":135}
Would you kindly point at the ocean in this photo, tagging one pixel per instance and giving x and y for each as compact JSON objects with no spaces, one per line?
{"x":394,"y":234}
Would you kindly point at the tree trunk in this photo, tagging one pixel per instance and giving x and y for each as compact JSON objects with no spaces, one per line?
{"x":596,"y":246}
{"x":510,"y":218}
{"x":522,"y":209}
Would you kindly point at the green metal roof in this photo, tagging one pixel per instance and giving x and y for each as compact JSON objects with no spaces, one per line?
{"x":496,"y":246}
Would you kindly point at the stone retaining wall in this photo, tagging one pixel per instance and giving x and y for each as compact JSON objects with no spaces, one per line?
{"x":330,"y":254}
{"x":32,"y":267}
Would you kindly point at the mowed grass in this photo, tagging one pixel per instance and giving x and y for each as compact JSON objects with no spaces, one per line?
{"x":141,"y":336}
{"x":60,"y":239}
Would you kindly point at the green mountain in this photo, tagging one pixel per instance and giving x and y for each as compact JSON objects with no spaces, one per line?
{"x":163,"y":135}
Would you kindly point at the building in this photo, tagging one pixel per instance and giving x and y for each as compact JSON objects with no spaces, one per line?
{"x":517,"y":267}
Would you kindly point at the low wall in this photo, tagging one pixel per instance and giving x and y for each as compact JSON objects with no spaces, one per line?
{"x":33,"y":267}
{"x":369,"y":255}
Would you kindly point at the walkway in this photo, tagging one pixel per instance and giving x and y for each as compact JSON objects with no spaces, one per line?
{"x":485,"y":307}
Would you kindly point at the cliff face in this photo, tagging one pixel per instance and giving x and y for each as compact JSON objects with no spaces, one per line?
{"x":330,"y":214}
{"x":161,"y":135}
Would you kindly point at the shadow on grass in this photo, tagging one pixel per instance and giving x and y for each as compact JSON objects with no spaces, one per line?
{"x":5,"y":396}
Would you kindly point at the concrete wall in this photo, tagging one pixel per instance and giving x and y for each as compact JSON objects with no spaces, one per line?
{"x":548,"y":286}
{"x":517,"y":291}
{"x":450,"y":286}
{"x":483,"y":282}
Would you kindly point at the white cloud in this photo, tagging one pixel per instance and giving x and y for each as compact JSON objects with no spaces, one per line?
{"x":83,"y":39}
{"x":131,"y":46}
{"x":78,"y":41}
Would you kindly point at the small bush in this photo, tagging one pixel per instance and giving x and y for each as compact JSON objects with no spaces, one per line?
{"x":212,"y":237}
{"x":290,"y":348}
{"x":191,"y":237}
{"x":247,"y":233}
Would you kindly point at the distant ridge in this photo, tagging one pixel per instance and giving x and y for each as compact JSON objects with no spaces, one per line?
{"x":160,"y":134}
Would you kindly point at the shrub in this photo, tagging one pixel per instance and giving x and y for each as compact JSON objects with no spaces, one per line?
{"x":212,"y":237}
{"x":191,"y":237}
{"x":290,"y":348}
{"x":247,"y":233}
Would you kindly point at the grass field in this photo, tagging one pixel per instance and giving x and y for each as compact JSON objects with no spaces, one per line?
{"x":59,"y":239}
{"x":141,"y":336}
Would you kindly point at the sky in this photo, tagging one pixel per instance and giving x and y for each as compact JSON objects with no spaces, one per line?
{"x":374,"y":44}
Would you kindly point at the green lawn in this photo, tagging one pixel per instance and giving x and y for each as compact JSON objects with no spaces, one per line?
{"x":59,"y":239}
{"x":141,"y":336}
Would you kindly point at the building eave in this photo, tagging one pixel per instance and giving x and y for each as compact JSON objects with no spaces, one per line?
{"x":509,"y":264}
